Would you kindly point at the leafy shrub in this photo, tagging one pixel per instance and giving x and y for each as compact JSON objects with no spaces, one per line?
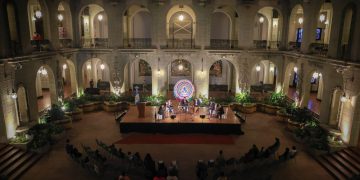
{"x":243,"y":97}
{"x":42,"y":134}
{"x":204,"y":101}
{"x":225,"y":101}
{"x":55,"y":113}
{"x":155,"y":100}
{"x":20,"y":138}
{"x":70,"y":105}
{"x":277,"y":99}
{"x":301,"y":115}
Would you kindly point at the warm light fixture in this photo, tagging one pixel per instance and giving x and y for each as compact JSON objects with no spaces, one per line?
{"x":102,"y":66}
{"x":100,"y":17}
{"x":181,"y":67}
{"x":315,"y":75}
{"x":60,"y":17}
{"x":300,"y":20}
{"x":64,"y":66}
{"x":275,"y":23}
{"x":43,"y":71}
{"x":38,"y":14}
{"x":13,"y":94}
{"x":158,"y":70}
{"x":88,"y":67}
{"x":258,"y":68}
{"x":181,"y":17}
{"x":322,"y":17}
{"x":261,"y":19}
{"x":326,"y":22}
{"x":343,"y":98}
{"x":295,"y":69}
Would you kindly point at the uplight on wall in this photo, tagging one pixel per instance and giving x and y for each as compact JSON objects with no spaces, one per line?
{"x":13,"y":94}
{"x":343,"y":98}
{"x":64,"y":66}
{"x":88,"y":67}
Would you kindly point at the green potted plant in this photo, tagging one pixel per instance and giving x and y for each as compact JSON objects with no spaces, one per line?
{"x":111,"y":103}
{"x":274,"y":103}
{"x":21,"y":140}
{"x":57,"y":115}
{"x":299,"y":116}
{"x":90,"y":103}
{"x":245,"y":103}
{"x":72,"y":110}
{"x":284,"y":114}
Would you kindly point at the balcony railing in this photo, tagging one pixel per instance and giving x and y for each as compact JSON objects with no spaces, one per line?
{"x":223,"y":44}
{"x":65,"y":43}
{"x":319,"y":48}
{"x":137,"y":43}
{"x":95,"y":42}
{"x":294,"y":45}
{"x":264,"y":44}
{"x":40,"y":45}
{"x":180,"y":44}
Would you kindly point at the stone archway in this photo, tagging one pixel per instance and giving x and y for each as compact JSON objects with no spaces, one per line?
{"x":68,"y":74}
{"x":222,"y":79}
{"x":45,"y":87}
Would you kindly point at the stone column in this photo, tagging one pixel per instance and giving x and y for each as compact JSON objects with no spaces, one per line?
{"x":5,"y":48}
{"x":309,"y":26}
{"x":23,"y":26}
{"x":75,"y":10}
{"x":326,"y":101}
{"x":335,"y":107}
{"x":335,"y":36}
{"x":283,"y":44}
{"x":355,"y":38}
{"x":54,"y":25}
{"x":246,"y":25}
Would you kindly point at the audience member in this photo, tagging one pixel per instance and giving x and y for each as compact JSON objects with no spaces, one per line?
{"x":149,"y":164}
{"x":293,"y":152}
{"x":285,"y":155}
{"x":222,"y":176}
{"x":162,"y":170}
{"x":123,"y":176}
{"x":201,"y":170}
{"x":173,"y":171}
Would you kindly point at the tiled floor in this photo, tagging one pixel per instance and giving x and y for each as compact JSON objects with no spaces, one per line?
{"x":313,"y":104}
{"x":259,"y":129}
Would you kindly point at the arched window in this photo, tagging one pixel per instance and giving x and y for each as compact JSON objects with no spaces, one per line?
{"x":267,"y":28}
{"x":64,"y":25}
{"x":181,"y":27}
{"x":221,"y":31}
{"x":137,"y":27}
{"x":296,"y":27}
{"x":94,"y":26}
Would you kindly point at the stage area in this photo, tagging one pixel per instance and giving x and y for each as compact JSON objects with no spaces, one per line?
{"x":183,"y":123}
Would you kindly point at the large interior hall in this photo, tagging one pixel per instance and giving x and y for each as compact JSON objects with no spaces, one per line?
{"x":180,"y":89}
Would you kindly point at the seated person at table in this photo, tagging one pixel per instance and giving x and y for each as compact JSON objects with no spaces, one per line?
{"x":161,"y":112}
{"x":184,"y":104}
{"x":197,"y":103}
{"x":220,"y":111}
{"x":169,"y":106}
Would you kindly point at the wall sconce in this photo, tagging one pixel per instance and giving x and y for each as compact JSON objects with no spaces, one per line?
{"x":12,"y":94}
{"x":158,"y":70}
{"x":261,"y":19}
{"x":181,"y":17}
{"x":60,"y":17}
{"x":344,"y":98}
{"x":258,"y":68}
{"x":300,"y":20}
{"x":295,"y":69}
{"x":38,"y":14}
{"x":322,"y":17}
{"x":102,"y":66}
{"x":202,"y":65}
{"x":64,"y":66}
{"x":88,"y":66}
{"x":100,"y":17}
{"x":272,"y":69}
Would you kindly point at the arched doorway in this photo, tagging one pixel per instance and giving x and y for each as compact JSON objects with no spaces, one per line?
{"x":181,"y":27}
{"x":12,"y":20}
{"x":94,"y":26}
{"x":264,"y":73}
{"x":140,"y":76}
{"x":347,"y":31}
{"x":291,"y":80}
{"x":316,"y":91}
{"x":65,"y":25}
{"x":136,"y":27}
{"x":177,"y":70}
{"x":45,"y":88}
{"x":222,"y":34}
{"x":68,"y":74}
{"x":22,"y":105}
{"x":296,"y":27}
{"x":268,"y":23}
{"x":95,"y":70}
{"x":222,"y":79}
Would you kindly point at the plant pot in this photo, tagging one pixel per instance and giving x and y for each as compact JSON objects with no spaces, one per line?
{"x":110,"y":107}
{"x":88,"y":107}
{"x":65,"y":123}
{"x":271,"y":109}
{"x":23,"y":146}
{"x":260,"y":107}
{"x":235,"y":107}
{"x":141,"y":109}
{"x":248,"y":108}
{"x":75,"y":115}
